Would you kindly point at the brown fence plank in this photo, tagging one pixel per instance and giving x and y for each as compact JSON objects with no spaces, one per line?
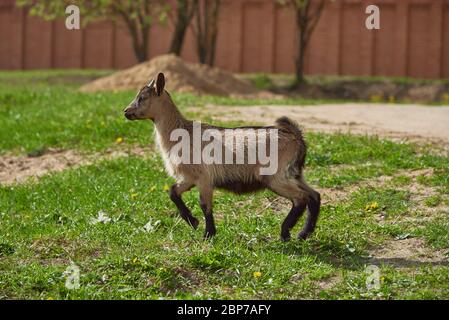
{"x":254,"y":36}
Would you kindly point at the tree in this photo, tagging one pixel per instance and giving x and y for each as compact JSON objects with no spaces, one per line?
{"x":185,"y":9}
{"x":308,"y":13}
{"x":205,"y":29}
{"x":138,"y":15}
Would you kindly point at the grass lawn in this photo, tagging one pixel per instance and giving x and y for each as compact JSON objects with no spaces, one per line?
{"x":377,"y":195}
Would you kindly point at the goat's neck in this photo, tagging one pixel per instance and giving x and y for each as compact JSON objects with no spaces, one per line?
{"x":168,"y":121}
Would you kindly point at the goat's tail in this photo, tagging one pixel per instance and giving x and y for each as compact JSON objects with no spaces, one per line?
{"x":284,"y":123}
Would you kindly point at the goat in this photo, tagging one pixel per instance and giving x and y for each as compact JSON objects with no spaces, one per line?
{"x":154,"y":102}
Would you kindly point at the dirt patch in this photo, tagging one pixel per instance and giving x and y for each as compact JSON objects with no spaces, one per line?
{"x":406,"y":253}
{"x":373,"y":90}
{"x":398,"y":122}
{"x":17,"y":169}
{"x":419,"y":213}
{"x":328,"y":283}
{"x":180,"y":76}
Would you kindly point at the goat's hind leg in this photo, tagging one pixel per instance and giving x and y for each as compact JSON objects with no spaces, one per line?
{"x":313,"y":205}
{"x":290,"y":190}
{"x":176,"y":191}
{"x":292,"y":218}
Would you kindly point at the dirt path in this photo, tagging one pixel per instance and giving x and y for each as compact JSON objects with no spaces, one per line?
{"x":412,"y":122}
{"x":17,"y":169}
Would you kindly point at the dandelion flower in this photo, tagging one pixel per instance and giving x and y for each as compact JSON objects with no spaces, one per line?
{"x":257,"y":274}
{"x":372,"y":206}
{"x":166,"y":187}
{"x":119,"y":140}
{"x":446,"y":97}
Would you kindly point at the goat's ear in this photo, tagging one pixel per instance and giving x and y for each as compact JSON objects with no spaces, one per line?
{"x":160,"y":83}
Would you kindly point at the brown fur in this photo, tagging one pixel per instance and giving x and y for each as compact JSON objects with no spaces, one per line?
{"x":155,"y":103}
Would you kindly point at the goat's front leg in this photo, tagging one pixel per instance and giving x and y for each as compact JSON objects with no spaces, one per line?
{"x":176,"y":191}
{"x":206,"y":199}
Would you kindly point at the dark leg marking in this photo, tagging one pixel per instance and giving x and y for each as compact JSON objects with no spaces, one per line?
{"x":313,"y":204}
{"x":291,"y":220}
{"x":183,"y":210}
{"x":210,"y":224}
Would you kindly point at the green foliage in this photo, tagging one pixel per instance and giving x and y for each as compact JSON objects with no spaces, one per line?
{"x":143,"y":10}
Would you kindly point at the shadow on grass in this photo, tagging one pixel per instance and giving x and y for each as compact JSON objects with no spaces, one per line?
{"x":406,"y":263}
{"x":339,"y":255}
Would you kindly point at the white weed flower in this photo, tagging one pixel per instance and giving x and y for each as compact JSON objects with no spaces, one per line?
{"x":102,"y":218}
{"x":150,"y":226}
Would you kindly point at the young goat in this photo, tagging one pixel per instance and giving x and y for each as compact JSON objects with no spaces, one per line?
{"x":153,"y":102}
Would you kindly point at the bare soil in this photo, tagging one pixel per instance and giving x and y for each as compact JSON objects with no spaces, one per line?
{"x":407,"y":253}
{"x":180,"y":76}
{"x":17,"y":169}
{"x":409,"y":122}
{"x":372,"y":90}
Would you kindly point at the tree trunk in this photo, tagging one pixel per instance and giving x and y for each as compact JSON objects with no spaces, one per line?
{"x":184,"y":13}
{"x":140,"y":46}
{"x":206,"y":31}
{"x":299,"y":63}
{"x":213,"y":32}
{"x":178,"y":40}
{"x":307,"y":17}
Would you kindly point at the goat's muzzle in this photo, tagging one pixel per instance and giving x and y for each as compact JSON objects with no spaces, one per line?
{"x":129,"y":114}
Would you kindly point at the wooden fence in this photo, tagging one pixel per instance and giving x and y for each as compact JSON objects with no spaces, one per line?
{"x":254,"y":36}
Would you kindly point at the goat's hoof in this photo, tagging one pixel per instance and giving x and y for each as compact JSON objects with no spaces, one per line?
{"x":285,"y":237}
{"x":208,"y":235}
{"x":303,"y":235}
{"x":194,"y":223}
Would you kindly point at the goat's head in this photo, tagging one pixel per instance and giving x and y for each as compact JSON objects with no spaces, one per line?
{"x":149,"y":101}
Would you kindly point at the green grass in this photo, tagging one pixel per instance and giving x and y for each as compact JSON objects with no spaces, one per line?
{"x":267,"y":81}
{"x":42,"y":115}
{"x":47,"y":225}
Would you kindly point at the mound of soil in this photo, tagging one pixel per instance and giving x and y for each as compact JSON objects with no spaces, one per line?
{"x":180,"y":76}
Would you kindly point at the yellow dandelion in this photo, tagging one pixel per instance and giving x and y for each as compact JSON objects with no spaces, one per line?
{"x":257,"y":274}
{"x":166,"y":187}
{"x":50,"y":298}
{"x":376,"y":98}
{"x":372,"y":206}
{"x":119,"y":140}
{"x":446,"y":97}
